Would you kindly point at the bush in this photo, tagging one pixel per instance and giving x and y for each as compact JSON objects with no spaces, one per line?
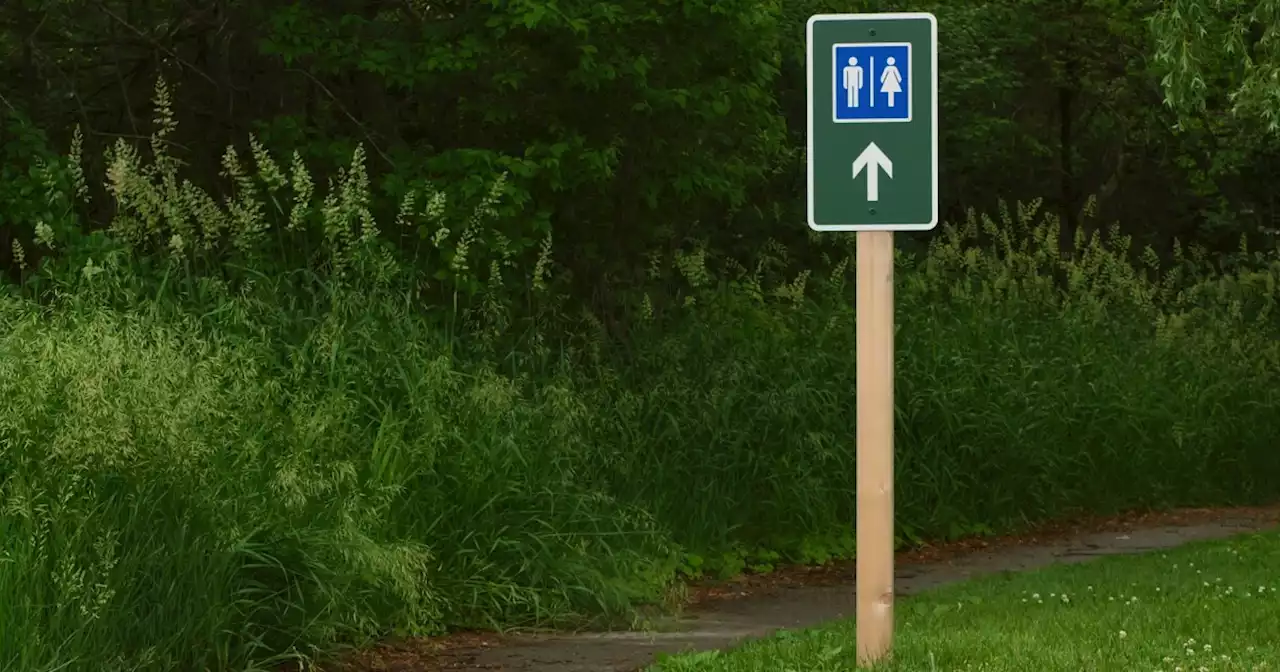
{"x":231,"y":432}
{"x":607,"y":116}
{"x":211,"y":461}
{"x":1031,"y":384}
{"x":168,"y":487}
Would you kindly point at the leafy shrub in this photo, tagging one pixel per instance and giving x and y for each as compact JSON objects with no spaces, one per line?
{"x":210,"y":465}
{"x":608,"y":116}
{"x":1031,"y":383}
{"x":232,"y":431}
{"x":34,"y":183}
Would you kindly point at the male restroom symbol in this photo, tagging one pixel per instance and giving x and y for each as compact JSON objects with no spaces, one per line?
{"x":854,"y":80}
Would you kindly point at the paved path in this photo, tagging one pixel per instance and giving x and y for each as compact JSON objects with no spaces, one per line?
{"x":725,"y":622}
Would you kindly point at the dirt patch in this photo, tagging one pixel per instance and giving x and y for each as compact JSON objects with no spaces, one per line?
{"x":726,"y":613}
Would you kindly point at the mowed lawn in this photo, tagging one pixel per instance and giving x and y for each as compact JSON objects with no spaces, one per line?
{"x":1212,"y":606}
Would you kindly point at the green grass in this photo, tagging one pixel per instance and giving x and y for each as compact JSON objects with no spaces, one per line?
{"x":1209,"y":606}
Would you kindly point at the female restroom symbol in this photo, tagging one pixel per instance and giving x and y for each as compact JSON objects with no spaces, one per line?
{"x":890,"y":79}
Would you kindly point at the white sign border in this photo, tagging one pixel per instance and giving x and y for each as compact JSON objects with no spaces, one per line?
{"x":933,"y":104}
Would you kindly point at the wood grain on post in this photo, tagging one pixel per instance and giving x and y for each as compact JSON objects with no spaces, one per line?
{"x":875,"y":445}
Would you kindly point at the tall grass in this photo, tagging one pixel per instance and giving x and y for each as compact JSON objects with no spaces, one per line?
{"x":231,"y":432}
{"x":1031,"y":384}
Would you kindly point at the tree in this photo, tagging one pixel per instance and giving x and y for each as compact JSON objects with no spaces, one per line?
{"x":1221,"y":56}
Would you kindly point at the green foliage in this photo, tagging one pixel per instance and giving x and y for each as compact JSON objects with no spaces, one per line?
{"x":1217,"y":63}
{"x":259,"y":512}
{"x":629,"y":126}
{"x":1220,"y":56}
{"x":601,"y":113}
{"x":1029,"y":381}
{"x":346,"y":390}
{"x":220,"y":447}
{"x":33,"y":181}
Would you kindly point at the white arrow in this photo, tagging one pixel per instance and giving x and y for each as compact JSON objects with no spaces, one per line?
{"x":873,"y":160}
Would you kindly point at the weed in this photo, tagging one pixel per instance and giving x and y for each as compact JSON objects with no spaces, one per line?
{"x":236,"y":429}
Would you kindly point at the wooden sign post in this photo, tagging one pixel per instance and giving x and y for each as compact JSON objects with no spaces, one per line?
{"x":875,"y":444}
{"x":873,"y":169}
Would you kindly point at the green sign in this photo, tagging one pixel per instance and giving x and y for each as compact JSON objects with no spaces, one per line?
{"x":873,"y":122}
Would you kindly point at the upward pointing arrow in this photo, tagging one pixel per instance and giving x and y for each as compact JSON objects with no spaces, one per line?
{"x":873,"y":160}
